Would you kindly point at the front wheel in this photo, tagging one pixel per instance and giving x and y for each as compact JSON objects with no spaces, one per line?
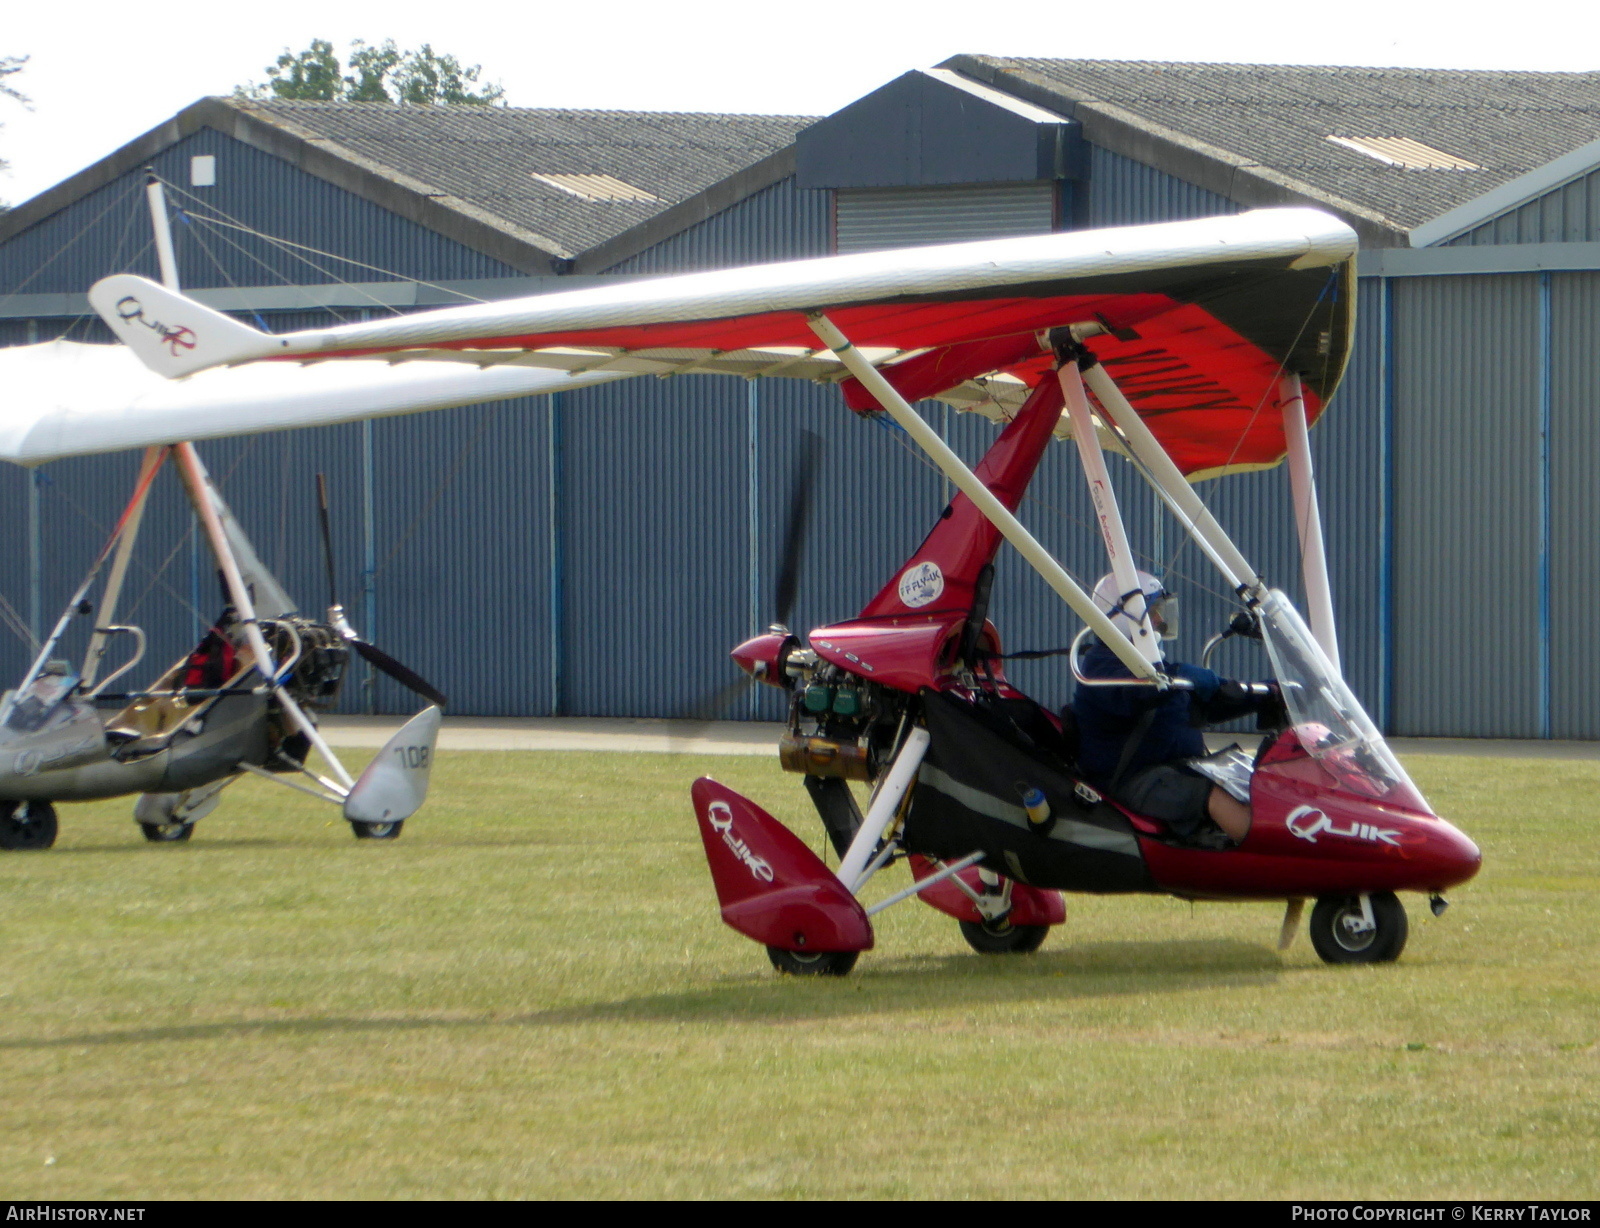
{"x":812,"y":963}
{"x":1340,"y":935}
{"x":377,"y":831}
{"x":1002,"y":938}
{"x":26,"y":826}
{"x":166,"y":833}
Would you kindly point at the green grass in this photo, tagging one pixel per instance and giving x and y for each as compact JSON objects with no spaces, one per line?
{"x":530,"y":995}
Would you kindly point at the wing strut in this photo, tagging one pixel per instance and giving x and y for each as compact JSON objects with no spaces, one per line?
{"x":199,"y":485}
{"x":1104,"y":495}
{"x":1192,"y":512}
{"x":1313,"y":557}
{"x":983,"y":498}
{"x":119,"y":565}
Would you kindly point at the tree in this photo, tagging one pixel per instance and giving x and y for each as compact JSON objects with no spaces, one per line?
{"x":312,"y":74}
{"x":10,"y":65}
{"x":378,"y":72}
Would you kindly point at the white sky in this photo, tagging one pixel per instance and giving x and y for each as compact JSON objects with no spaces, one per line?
{"x":102,"y":72}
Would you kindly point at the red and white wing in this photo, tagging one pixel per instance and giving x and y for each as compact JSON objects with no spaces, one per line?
{"x":1202,"y":317}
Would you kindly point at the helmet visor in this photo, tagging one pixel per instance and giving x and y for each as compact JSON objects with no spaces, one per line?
{"x":1164,"y":616}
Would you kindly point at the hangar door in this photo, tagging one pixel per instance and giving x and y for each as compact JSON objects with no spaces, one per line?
{"x":870,"y":219}
{"x":1495,"y":507}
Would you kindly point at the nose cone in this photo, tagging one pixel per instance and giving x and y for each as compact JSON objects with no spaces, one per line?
{"x":1451,"y":858}
{"x":761,"y":656}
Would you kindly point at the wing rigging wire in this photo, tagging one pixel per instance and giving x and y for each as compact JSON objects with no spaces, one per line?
{"x":219,"y":219}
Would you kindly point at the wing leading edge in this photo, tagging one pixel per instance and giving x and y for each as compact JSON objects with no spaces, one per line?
{"x":1202,"y":319}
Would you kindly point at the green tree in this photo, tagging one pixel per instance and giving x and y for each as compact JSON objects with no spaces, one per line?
{"x":378,"y":72}
{"x":372,"y":64}
{"x":10,"y":66}
{"x":312,"y":75}
{"x":425,"y":78}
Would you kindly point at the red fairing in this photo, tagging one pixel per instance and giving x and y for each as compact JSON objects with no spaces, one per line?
{"x":906,"y":657}
{"x":942,"y":574}
{"x":773,"y":888}
{"x":1029,"y":905}
{"x":762,"y":657}
{"x":1310,"y":835}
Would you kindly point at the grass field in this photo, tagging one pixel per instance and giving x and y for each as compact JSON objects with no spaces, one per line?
{"x":530,"y":995}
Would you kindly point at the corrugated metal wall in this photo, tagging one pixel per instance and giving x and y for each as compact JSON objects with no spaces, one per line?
{"x":1123,"y":192}
{"x":869,"y":219}
{"x":1574,"y":500}
{"x":781,"y":222}
{"x":108,"y":231}
{"x":1467,"y":476}
{"x":1569,"y":214}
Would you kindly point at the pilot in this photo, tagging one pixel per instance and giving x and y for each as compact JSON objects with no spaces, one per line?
{"x":1134,"y":740}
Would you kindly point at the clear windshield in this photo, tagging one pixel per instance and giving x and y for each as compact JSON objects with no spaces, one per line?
{"x":1332,"y":725}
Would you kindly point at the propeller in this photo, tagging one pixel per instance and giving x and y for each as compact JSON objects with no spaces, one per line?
{"x":369,"y":652}
{"x":791,"y":551}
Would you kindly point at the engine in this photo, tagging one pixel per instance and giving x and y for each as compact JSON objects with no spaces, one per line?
{"x":840,"y":724}
{"x":316,"y":655}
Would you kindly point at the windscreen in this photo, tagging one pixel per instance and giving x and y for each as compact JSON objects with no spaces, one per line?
{"x":1332,"y":725}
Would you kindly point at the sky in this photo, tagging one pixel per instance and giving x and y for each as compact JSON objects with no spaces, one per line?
{"x":101,"y":73}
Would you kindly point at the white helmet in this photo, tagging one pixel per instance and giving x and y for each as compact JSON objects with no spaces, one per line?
{"x":1161,"y":605}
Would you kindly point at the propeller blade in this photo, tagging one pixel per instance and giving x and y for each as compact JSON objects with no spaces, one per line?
{"x":796,"y":524}
{"x":715,"y":705}
{"x":384,"y":663}
{"x":327,"y":537}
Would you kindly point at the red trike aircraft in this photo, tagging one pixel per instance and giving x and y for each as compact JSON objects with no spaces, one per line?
{"x":1195,"y":348}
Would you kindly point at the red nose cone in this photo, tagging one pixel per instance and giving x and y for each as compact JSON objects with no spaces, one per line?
{"x":1456,"y":858}
{"x":762,"y":655}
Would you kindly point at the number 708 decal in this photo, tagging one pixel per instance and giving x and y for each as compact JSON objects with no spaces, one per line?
{"x":413,"y":756}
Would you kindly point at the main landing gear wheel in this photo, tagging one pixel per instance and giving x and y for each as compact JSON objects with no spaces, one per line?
{"x":813,"y":963}
{"x":377,"y":831}
{"x":166,"y":833}
{"x":1002,"y":938}
{"x":1338,"y":933}
{"x":25,"y":826}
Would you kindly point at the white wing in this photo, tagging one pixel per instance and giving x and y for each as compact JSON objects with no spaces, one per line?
{"x":65,"y":398}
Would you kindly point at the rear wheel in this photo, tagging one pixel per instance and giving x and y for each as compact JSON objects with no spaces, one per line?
{"x":1340,"y":934}
{"x":377,"y":831}
{"x":813,"y":963}
{"x":1002,"y":938}
{"x":28,"y":825}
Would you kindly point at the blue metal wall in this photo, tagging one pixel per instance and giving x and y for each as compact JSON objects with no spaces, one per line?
{"x":781,"y":222}
{"x":1123,"y":192}
{"x":108,"y":231}
{"x":1568,"y":214}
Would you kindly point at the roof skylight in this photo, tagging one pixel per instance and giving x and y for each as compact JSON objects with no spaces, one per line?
{"x":595,"y":187}
{"x":1405,"y":153}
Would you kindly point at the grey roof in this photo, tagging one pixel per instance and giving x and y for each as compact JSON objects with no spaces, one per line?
{"x":466,"y":172}
{"x":487,"y":156}
{"x":1275,"y":120}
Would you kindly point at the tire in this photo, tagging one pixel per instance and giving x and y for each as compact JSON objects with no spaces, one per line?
{"x":1334,"y":942}
{"x":377,"y":831}
{"x":27,"y":826}
{"x":1002,"y":938}
{"x":166,"y":833}
{"x":812,"y":963}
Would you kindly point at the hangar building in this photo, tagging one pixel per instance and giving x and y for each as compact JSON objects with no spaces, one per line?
{"x":596,"y":552}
